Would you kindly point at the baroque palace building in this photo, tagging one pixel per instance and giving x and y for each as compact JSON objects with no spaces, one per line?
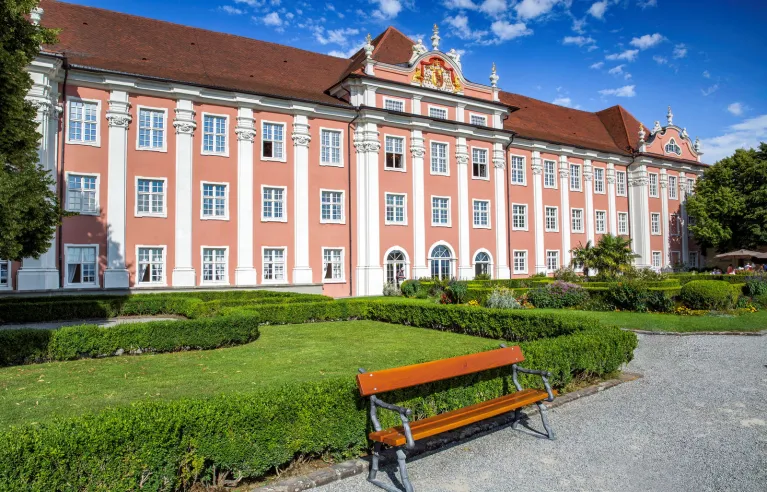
{"x":196,"y":158}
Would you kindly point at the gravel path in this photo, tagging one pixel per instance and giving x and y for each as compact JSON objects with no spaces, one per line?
{"x":697,"y":421}
{"x":99,"y":322}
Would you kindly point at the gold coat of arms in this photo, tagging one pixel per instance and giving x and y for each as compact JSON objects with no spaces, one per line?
{"x":434,"y":74}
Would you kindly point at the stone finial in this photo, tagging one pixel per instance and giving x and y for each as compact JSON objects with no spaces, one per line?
{"x":656,"y":128}
{"x":642,"y":133}
{"x":684,"y":133}
{"x":435,"y":38}
{"x":670,"y":116}
{"x":494,"y":77}
{"x":368,"y":47}
{"x":697,"y":145}
{"x":455,"y":56}
{"x":36,"y":15}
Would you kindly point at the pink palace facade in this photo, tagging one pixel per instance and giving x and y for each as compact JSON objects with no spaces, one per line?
{"x":201,"y":159}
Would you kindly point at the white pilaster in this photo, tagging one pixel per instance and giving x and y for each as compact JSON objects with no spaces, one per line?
{"x":370,"y":276}
{"x":245,"y":272}
{"x":464,"y":254}
{"x":564,"y":189}
{"x":460,"y":113}
{"x":683,"y":206}
{"x":664,"y":217}
{"x":611,"y":204}
{"x":588,"y":185}
{"x":501,"y":240}
{"x":41,"y":273}
{"x":302,"y":272}
{"x":416,"y":101}
{"x":183,"y":272}
{"x":639,"y":216}
{"x":116,"y":275}
{"x":417,"y":151}
{"x":540,"y":253}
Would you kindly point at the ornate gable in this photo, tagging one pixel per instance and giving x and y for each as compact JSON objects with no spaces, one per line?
{"x":435,"y":73}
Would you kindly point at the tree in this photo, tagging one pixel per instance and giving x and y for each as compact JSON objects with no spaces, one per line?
{"x":729,"y":206}
{"x":611,"y":256}
{"x":29,"y":209}
{"x":583,"y":257}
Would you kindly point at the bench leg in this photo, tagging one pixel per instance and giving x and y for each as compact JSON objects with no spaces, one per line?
{"x":545,"y":419}
{"x":517,"y":415}
{"x":403,"y":471}
{"x":374,"y":462}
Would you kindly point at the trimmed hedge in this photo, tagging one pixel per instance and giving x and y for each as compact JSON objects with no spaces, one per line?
{"x":684,"y":278}
{"x":710,"y":294}
{"x":663,"y":284}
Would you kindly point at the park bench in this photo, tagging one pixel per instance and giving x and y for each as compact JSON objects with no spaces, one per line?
{"x":373,"y":383}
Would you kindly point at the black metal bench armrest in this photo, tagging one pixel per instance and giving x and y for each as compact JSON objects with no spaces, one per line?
{"x":404,"y":413}
{"x":545,"y":375}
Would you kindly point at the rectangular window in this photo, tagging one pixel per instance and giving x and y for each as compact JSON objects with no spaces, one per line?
{"x":600,"y":222}
{"x":440,"y":211}
{"x":599,"y":180}
{"x":333,"y":264}
{"x":552,"y":260}
{"x":273,"y":204}
{"x":676,"y":225}
{"x":552,"y":219}
{"x":676,"y":258}
{"x":439,"y":158}
{"x":394,"y":105}
{"x":82,"y":268}
{"x":693,"y":259}
{"x":330,"y":147}
{"x":623,"y":223}
{"x":214,"y":267}
{"x":690,"y":190}
{"x":520,"y":261}
{"x":395,"y":208}
{"x":519,"y":217}
{"x":440,"y":113}
{"x":332,"y":206}
{"x":517,"y":169}
{"x":213,"y":134}
{"x":479,"y":163}
{"x":214,"y":201}
{"x":395,"y":153}
{"x":482,"y":214}
{"x":151,"y":129}
{"x":656,"y":259}
{"x":273,"y":141}
{"x":477,"y":119}
{"x":549,"y":174}
{"x":150,"y":197}
{"x":575,"y":177}
{"x":655,"y":224}
{"x":83,"y":122}
{"x":82,"y":194}
{"x":274,"y":264}
{"x":620,"y":183}
{"x":673,"y":188}
{"x":5,"y":274}
{"x":653,"y":185}
{"x":151,"y":266}
{"x":576,"y":215}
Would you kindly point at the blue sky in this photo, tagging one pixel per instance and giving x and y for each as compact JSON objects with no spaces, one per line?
{"x":705,"y":58}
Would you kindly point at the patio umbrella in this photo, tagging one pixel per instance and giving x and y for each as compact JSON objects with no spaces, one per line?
{"x":742,"y":253}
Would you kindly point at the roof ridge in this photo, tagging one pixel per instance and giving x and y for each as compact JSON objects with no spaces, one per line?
{"x":548,"y":103}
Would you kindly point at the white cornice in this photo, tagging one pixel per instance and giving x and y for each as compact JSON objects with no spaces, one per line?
{"x":659,"y":162}
{"x":552,"y":148}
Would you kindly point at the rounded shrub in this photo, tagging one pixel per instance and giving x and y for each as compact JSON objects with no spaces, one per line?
{"x":502,"y":298}
{"x":628,"y":295}
{"x":558,"y":294}
{"x":410,"y":288}
{"x":457,"y":291}
{"x":708,"y":294}
{"x":659,"y":302}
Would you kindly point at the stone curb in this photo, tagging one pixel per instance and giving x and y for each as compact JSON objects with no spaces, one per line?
{"x":357,"y":466}
{"x":691,"y":333}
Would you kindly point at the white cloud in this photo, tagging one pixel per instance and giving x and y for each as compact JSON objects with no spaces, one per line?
{"x":506,"y":31}
{"x":706,"y":74}
{"x":563,"y":101}
{"x":530,"y":9}
{"x":597,"y":65}
{"x":231,"y":10}
{"x":660,"y":60}
{"x":493,"y":7}
{"x":616,"y":70}
{"x":680,"y":50}
{"x":273,"y":19}
{"x":625,"y":91}
{"x":628,"y":55}
{"x":578,"y":25}
{"x":647,"y":3}
{"x":335,"y":36}
{"x":348,"y":53}
{"x":647,"y":41}
{"x":461,"y":29}
{"x":710,"y":90}
{"x":736,"y":108}
{"x":598,"y":9}
{"x":578,"y":40}
{"x":744,"y":135}
{"x":387,"y":9}
{"x":251,"y":3}
{"x":460,"y":4}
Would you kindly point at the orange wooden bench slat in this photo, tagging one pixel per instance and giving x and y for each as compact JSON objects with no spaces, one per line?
{"x":444,"y":422}
{"x":371,"y":383}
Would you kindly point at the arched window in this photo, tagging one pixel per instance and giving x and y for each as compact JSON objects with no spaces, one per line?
{"x":673,"y":148}
{"x":441,"y":260}
{"x":482,"y":264}
{"x":396,"y":267}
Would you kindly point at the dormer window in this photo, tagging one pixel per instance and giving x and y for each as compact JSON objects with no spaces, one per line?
{"x":673,"y":148}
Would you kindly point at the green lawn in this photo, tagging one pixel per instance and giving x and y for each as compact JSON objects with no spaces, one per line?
{"x":34,"y":393}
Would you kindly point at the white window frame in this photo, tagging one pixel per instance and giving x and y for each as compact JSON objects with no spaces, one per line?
{"x":659,"y":256}
{"x":95,"y":143}
{"x":449,"y":211}
{"x":580,"y":177}
{"x":437,"y":108}
{"x":676,"y":149}
{"x":673,"y":190}
{"x":405,"y":264}
{"x":653,"y":185}
{"x":343,"y":207}
{"x":90,"y":285}
{"x":286,"y":279}
{"x":581,"y":229}
{"x":386,"y":206}
{"x":164,"y":281}
{"x":225,"y":152}
{"x":527,"y":222}
{"x":601,"y":180}
{"x":624,"y":222}
{"x":524,"y":170}
{"x":226,"y":201}
{"x":9,"y":284}
{"x":603,"y":229}
{"x":548,"y":268}
{"x":653,"y":231}
{"x":341,"y":280}
{"x":490,"y":264}
{"x":690,"y":256}
{"x":690,"y":188}
{"x":395,"y":100}
{"x":340,"y":162}
{"x":556,"y":218}
{"x":619,"y":184}
{"x":487,"y":163}
{"x":489,"y":210}
{"x":97,"y":211}
{"x":403,"y":169}
{"x":284,"y":217}
{"x":164,"y":112}
{"x":553,"y":173}
{"x":483,"y":117}
{"x":514,"y":262}
{"x":202,"y":266}
{"x":452,"y":259}
{"x":164,"y":213}
{"x":284,"y":157}
{"x":447,"y":158}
